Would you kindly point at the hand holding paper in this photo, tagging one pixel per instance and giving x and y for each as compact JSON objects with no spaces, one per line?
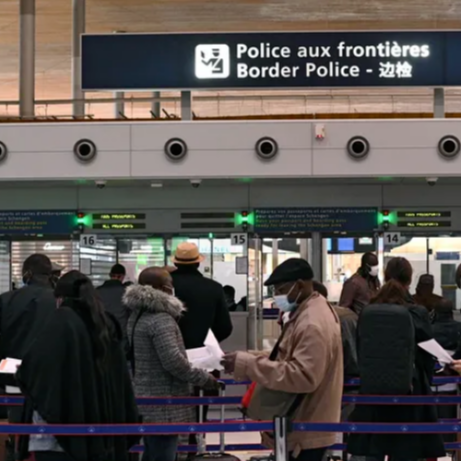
{"x":207,"y":357}
{"x":10,"y":366}
{"x":435,"y":349}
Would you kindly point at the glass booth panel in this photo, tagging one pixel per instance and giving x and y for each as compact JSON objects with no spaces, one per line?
{"x":443,"y":259}
{"x":139,"y":254}
{"x":64,"y":253}
{"x":96,"y":261}
{"x":341,"y":258}
{"x":224,"y":266}
{"x":414,"y":249}
{"x":5,"y":272}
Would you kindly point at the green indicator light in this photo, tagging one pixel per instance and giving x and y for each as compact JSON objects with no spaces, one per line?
{"x":244,"y":218}
{"x":386,"y":216}
{"x":210,"y":235}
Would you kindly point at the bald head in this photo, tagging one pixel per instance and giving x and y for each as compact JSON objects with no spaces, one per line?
{"x":158,"y":278}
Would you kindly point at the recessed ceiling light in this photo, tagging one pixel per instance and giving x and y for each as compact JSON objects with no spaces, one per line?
{"x":156,"y":184}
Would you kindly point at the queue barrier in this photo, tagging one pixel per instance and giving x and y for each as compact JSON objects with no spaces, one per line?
{"x":437,"y":381}
{"x":235,"y":427}
{"x":351,"y":399}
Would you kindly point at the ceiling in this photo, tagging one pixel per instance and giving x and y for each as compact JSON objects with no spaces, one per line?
{"x":53,"y":52}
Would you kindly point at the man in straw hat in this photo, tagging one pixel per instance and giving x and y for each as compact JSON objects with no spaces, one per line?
{"x":205,"y":304}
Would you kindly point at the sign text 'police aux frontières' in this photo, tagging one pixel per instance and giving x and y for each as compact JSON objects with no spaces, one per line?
{"x":264,"y":60}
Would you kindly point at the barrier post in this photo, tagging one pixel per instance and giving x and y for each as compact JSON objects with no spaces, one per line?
{"x":281,"y":445}
{"x":458,"y":415}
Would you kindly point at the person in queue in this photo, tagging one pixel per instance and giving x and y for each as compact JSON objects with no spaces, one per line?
{"x":77,"y":373}
{"x":309,"y":361}
{"x":394,"y":293}
{"x":160,"y":364}
{"x":362,"y":286}
{"x":425,"y":295}
{"x":203,"y":297}
{"x":56,"y":272}
{"x":23,"y":314}
{"x":206,"y":306}
{"x":111,"y":293}
{"x":447,"y":332}
{"x":229,"y":294}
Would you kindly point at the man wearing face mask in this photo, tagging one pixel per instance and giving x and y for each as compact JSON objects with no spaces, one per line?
{"x":362,"y":286}
{"x":307,"y":360}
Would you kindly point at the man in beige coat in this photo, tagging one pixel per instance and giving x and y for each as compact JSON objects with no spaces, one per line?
{"x":309,"y":360}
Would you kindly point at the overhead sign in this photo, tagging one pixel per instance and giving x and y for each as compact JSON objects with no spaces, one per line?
{"x":118,"y":221}
{"x":37,"y":222}
{"x":118,"y":216}
{"x":315,"y":219}
{"x":423,"y":219}
{"x":266,"y":60}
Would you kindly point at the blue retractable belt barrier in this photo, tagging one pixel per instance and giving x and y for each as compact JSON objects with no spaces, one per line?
{"x":437,"y":381}
{"x":355,"y":399}
{"x":146,"y":429}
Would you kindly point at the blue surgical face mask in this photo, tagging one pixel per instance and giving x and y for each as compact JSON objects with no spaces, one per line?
{"x":282,"y":302}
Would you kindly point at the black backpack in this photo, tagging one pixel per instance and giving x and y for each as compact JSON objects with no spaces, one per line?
{"x":386,"y":350}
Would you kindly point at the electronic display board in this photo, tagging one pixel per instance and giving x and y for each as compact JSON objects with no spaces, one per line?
{"x":315,"y":219}
{"x":38,"y":222}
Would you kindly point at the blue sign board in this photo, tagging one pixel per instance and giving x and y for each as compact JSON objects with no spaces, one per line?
{"x":270,"y":60}
{"x":37,"y":222}
{"x":315,"y":220}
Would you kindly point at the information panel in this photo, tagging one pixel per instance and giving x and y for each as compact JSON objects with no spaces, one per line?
{"x":118,"y":221}
{"x":270,"y":60}
{"x":315,"y":219}
{"x":37,"y":222}
{"x":423,"y":219}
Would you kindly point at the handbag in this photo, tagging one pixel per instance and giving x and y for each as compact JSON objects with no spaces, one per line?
{"x":266,"y":404}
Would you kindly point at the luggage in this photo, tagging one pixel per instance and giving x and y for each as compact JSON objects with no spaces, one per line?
{"x":386,"y":350}
{"x":221,"y":456}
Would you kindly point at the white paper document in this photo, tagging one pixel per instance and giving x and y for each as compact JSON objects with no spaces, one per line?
{"x":207,"y":357}
{"x":435,"y":349}
{"x":9,"y":366}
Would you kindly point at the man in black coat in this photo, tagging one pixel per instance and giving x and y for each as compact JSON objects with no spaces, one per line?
{"x":111,"y":293}
{"x":24,"y":313}
{"x":206,"y":307}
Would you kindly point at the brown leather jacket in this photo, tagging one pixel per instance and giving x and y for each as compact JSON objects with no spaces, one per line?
{"x":357,"y":293}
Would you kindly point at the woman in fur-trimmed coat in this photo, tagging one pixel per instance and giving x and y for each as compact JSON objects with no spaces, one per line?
{"x":161,"y":368}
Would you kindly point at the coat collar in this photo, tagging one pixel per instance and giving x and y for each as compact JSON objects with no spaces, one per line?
{"x":139,"y":297}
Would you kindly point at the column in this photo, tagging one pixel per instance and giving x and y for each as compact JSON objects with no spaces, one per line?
{"x":439,"y":103}
{"x":156,"y":105}
{"x":316,"y":255}
{"x":186,"y":105}
{"x":27,"y":58}
{"x":119,"y":106}
{"x":303,"y":249}
{"x":78,"y":28}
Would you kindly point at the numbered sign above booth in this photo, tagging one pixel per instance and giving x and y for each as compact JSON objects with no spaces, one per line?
{"x":392,"y":239}
{"x":88,"y":240}
{"x":239,"y":239}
